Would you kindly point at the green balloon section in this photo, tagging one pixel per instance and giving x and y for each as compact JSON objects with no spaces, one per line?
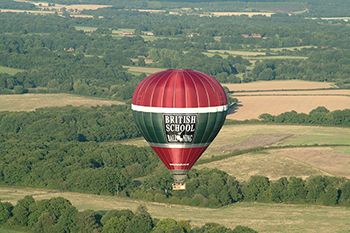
{"x":152,"y":126}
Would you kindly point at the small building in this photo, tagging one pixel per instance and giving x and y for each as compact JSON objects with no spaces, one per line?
{"x":252,"y":36}
{"x":127,"y":33}
{"x":148,"y":33}
{"x":70,"y":50}
{"x":193,"y":34}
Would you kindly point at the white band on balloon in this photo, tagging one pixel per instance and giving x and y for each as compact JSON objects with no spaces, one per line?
{"x":178,"y":145}
{"x":140,"y":108}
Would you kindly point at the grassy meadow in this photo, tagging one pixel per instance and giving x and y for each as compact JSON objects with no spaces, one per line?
{"x":9,"y":70}
{"x":143,"y":70}
{"x":4,"y":229}
{"x":277,"y":163}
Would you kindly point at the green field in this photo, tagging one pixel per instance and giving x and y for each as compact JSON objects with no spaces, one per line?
{"x":277,"y":58}
{"x":9,"y":70}
{"x":142,"y":70}
{"x":85,"y":29}
{"x":269,"y":218}
{"x":252,"y":55}
{"x":294,"y":48}
{"x":153,"y":38}
{"x":4,"y":229}
{"x":238,"y":53}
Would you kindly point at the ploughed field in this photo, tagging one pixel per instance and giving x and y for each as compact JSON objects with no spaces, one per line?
{"x":271,"y":218}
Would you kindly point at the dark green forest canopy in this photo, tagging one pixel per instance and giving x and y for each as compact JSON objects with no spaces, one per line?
{"x":9,"y":4}
{"x":318,"y":116}
{"x":77,"y":149}
{"x":81,"y":124}
{"x":59,"y":215}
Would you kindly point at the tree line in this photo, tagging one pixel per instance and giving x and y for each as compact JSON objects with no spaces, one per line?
{"x":214,"y":188}
{"x":318,"y":116}
{"x":58,"y":215}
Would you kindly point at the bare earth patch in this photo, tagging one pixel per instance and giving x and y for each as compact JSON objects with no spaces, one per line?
{"x":30,"y":102}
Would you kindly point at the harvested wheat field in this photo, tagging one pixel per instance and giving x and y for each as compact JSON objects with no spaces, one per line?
{"x":265,"y":218}
{"x":278,"y":85}
{"x":251,"y":107}
{"x":300,"y":162}
{"x":30,"y":102}
{"x":332,"y":92}
{"x":82,"y":7}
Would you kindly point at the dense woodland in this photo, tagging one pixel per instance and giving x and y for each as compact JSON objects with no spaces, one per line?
{"x":79,"y":149}
{"x":58,"y":215}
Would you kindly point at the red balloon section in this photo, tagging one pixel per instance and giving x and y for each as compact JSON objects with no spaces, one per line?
{"x":179,"y":89}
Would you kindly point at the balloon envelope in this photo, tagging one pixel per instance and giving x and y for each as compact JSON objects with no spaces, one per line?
{"x":179,"y":113}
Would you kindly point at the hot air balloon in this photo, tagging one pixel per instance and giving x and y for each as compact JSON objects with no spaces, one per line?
{"x":179,"y":113}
